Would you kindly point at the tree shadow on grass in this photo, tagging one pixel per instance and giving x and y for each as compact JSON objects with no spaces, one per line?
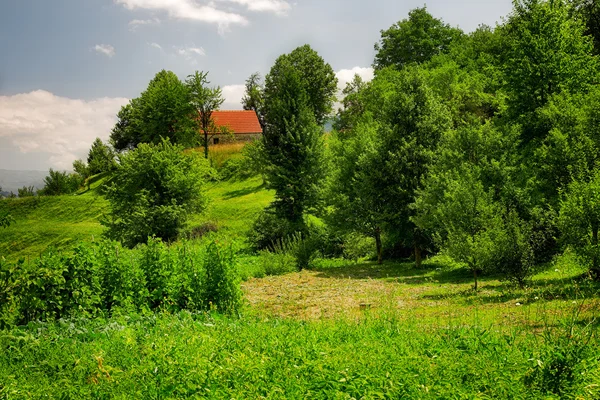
{"x":243,"y":192}
{"x":568,"y":288}
{"x":402,"y":271}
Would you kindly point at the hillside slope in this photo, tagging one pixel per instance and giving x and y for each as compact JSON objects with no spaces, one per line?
{"x":62,"y":221}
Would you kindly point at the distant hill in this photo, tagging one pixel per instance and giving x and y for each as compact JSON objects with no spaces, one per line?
{"x":11,"y":181}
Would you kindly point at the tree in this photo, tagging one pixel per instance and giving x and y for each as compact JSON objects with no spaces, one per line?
{"x":353,"y":104}
{"x":547,"y":54}
{"x":101,"y":158}
{"x":414,"y":40}
{"x":59,"y":183}
{"x":416,"y":121}
{"x":316,"y":79}
{"x":589,"y":12}
{"x":254,"y":97}
{"x":163,"y":111}
{"x":293,"y":145}
{"x":205,"y":100}
{"x":26,"y":191}
{"x":153,"y":192}
{"x":352,"y":190}
{"x":579,"y":220}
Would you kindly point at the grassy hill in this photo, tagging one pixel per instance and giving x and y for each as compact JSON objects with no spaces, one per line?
{"x":62,"y":221}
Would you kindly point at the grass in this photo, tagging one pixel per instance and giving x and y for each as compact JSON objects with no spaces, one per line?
{"x":63,"y":221}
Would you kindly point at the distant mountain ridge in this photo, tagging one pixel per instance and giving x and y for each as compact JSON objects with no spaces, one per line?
{"x":11,"y":181}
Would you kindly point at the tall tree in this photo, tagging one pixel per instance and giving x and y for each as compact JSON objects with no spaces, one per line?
{"x":254,"y":98}
{"x":163,"y":111}
{"x":414,"y":40}
{"x":317,"y":80}
{"x":292,"y":140}
{"x":547,"y":53}
{"x":101,"y":158}
{"x":205,"y":100}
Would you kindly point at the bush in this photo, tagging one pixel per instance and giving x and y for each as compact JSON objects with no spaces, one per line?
{"x":103,"y":278}
{"x":153,"y":191}
{"x":269,"y":229}
{"x":357,"y":246}
{"x":26,"y":191}
{"x":59,"y":182}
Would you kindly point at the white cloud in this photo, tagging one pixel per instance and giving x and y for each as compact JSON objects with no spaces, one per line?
{"x":279,"y":7}
{"x":134,"y":24}
{"x":190,"y":10}
{"x":155,"y":45}
{"x":233,"y":97}
{"x":105,"y":49}
{"x":346,"y":75}
{"x":41,"y":122}
{"x":190,"y":53}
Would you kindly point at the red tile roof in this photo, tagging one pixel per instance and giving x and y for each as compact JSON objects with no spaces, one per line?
{"x":238,"y":121}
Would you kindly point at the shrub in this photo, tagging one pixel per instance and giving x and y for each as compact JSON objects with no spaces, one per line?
{"x":221,"y":287}
{"x":26,"y":191}
{"x":59,"y":182}
{"x":153,"y":191}
{"x":357,"y":246}
{"x":103,"y":278}
{"x":269,"y":229}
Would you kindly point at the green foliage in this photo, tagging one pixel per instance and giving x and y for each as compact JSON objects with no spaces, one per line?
{"x":204,"y":100}
{"x":547,"y":53}
{"x":102,"y":278}
{"x":313,"y":77}
{"x":414,"y":40}
{"x":163,"y":111}
{"x":101,"y":158}
{"x":293,"y":144}
{"x":6,"y":220}
{"x":254,"y":97}
{"x":26,"y":191}
{"x":269,"y":229}
{"x":60,"y":182}
{"x":579,"y":219}
{"x":152,"y":193}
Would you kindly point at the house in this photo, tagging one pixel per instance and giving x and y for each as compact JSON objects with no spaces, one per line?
{"x":241,"y":124}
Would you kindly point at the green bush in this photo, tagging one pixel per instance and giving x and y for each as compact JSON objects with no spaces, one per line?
{"x":104,"y":278}
{"x":153,"y":191}
{"x":357,"y":246}
{"x":59,"y":182}
{"x":269,"y":229}
{"x":221,"y":287}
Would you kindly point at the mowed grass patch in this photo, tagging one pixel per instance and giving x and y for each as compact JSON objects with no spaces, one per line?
{"x":439,"y":294}
{"x":186,"y":356}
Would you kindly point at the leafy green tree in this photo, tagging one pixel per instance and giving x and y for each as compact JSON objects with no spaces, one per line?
{"x":254,"y":97}
{"x":163,"y":111}
{"x":316,"y":79}
{"x":293,"y":144}
{"x":547,"y":53}
{"x":153,"y":192}
{"x":101,"y":158}
{"x":571,"y":150}
{"x":589,"y":11}
{"x":353,"y":192}
{"x":416,"y":121}
{"x":353,"y":104}
{"x":205,"y":100}
{"x":580,"y":219}
{"x":414,"y":40}
{"x":26,"y":191}
{"x":81,"y":169}
{"x":59,"y":183}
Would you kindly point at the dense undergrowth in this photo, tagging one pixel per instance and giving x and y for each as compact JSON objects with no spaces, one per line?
{"x":189,"y":355}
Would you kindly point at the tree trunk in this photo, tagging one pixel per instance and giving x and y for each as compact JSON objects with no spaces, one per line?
{"x":206,"y":145}
{"x":417,"y":256}
{"x":378,"y":244}
{"x":595,"y":271}
{"x":475,"y":277}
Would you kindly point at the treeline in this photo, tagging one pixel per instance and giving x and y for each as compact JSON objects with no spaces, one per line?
{"x":483,"y":145}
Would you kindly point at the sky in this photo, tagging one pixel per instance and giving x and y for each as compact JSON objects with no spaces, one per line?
{"x":67,"y":66}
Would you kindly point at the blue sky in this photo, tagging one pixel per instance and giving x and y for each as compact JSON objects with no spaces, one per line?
{"x":68,"y":65}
